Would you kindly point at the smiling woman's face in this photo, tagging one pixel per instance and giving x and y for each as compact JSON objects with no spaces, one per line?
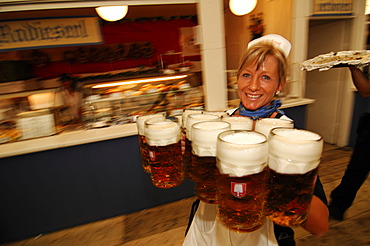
{"x":257,"y":86}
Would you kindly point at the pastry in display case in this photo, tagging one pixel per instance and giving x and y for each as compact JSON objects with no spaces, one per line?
{"x":32,"y":114}
{"x":8,"y":129}
{"x":118,"y":102}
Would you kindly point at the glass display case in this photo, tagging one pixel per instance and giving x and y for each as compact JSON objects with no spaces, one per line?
{"x":118,"y":102}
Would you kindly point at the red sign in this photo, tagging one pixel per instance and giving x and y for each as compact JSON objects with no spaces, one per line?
{"x":238,"y":190}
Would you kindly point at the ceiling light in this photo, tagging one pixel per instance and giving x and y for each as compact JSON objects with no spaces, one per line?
{"x":242,"y":7}
{"x":112,"y":13}
{"x":134,"y":81}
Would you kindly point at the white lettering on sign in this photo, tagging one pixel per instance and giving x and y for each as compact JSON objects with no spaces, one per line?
{"x":333,"y":7}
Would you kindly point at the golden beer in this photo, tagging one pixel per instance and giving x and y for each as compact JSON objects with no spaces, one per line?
{"x":165,"y":164}
{"x":186,"y":159}
{"x":205,"y":173}
{"x":164,"y":151}
{"x":144,"y":153}
{"x":241,"y":160}
{"x":294,"y":157}
{"x":241,"y":201}
{"x":288,"y":204}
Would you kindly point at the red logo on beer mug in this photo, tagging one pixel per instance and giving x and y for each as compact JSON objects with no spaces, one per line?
{"x":151,"y":155}
{"x":238,"y":189}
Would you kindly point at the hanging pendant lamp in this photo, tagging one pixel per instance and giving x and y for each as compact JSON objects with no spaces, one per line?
{"x":112,"y":13}
{"x":242,"y":7}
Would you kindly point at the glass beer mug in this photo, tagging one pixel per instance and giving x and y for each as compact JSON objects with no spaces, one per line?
{"x":142,"y":142}
{"x":190,"y":120}
{"x":203,"y":158}
{"x":185,"y":143}
{"x":239,"y":122}
{"x":221,"y":114}
{"x":164,"y":151}
{"x":265,"y":125}
{"x":188,"y":111}
{"x":242,"y":162}
{"x":294,"y":157}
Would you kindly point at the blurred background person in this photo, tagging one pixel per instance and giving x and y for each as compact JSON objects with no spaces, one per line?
{"x":72,"y":97}
{"x":357,"y":170}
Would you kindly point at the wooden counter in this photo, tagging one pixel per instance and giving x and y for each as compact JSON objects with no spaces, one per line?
{"x":67,"y":139}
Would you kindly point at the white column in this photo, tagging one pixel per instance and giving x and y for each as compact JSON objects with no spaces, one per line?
{"x":358,"y":36}
{"x":359,"y":28}
{"x":212,"y":31}
{"x":300,"y":13}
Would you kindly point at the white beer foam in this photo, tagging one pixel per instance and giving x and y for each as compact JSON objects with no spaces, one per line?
{"x":239,"y":123}
{"x":265,"y":125}
{"x":187,"y":112}
{"x":218,"y":113}
{"x":142,"y":118}
{"x":241,"y":153}
{"x":294,"y":151}
{"x":194,"y":118}
{"x":204,"y":136}
{"x":162,"y":133}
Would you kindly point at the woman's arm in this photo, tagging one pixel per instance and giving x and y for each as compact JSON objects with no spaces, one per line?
{"x":317,"y":222}
{"x":360,"y":81}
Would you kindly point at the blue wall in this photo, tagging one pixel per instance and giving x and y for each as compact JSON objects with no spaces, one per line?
{"x":52,"y":190}
{"x":298,"y":114}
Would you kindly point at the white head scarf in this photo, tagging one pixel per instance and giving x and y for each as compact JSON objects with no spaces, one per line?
{"x":276,"y":40}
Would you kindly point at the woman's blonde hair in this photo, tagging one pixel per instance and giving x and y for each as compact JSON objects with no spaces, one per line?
{"x":259,"y":52}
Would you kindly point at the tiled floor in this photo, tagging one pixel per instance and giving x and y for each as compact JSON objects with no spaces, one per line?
{"x":165,"y":225}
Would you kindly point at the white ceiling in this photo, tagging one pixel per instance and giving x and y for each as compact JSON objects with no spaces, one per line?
{"x":22,"y":5}
{"x":88,"y":9}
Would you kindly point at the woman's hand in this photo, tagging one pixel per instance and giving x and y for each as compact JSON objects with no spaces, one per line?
{"x":317,"y":222}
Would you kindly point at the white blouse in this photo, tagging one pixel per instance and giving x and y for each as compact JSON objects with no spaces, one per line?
{"x":206,"y":230}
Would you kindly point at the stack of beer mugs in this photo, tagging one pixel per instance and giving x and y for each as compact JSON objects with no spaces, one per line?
{"x":249,"y":190}
{"x":251,"y":169}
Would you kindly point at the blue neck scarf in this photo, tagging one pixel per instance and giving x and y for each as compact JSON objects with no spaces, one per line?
{"x":262,"y":112}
